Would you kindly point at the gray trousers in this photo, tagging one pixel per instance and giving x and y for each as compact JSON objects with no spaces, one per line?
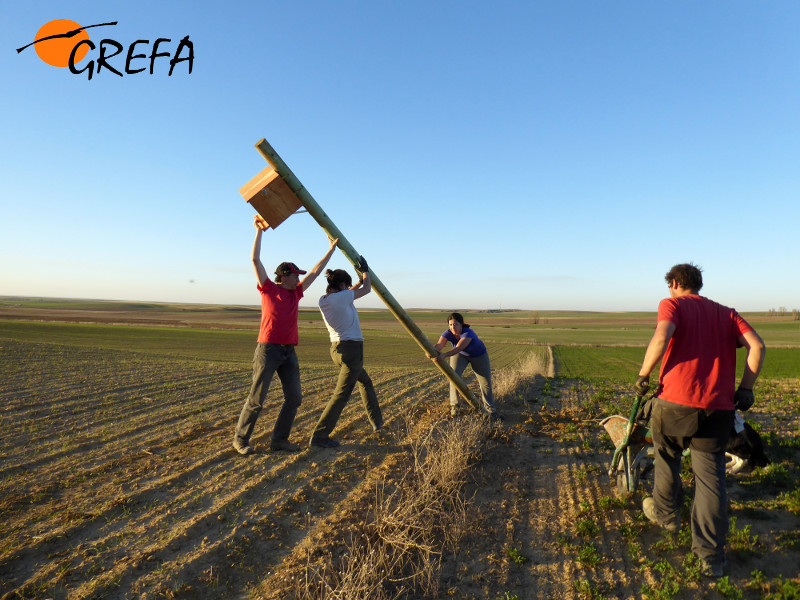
{"x":483,"y":372}
{"x":349,"y":357}
{"x":269,"y":359}
{"x":705,"y":432}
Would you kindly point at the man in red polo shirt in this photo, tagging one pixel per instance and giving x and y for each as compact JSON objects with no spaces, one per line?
{"x":696,"y":341}
{"x":275,"y":352}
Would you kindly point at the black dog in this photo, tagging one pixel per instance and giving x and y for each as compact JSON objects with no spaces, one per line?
{"x":745,"y":449}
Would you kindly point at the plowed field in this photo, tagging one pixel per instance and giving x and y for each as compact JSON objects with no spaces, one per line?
{"x":117,"y":480}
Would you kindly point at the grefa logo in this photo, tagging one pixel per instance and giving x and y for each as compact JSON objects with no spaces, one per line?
{"x":65,"y":43}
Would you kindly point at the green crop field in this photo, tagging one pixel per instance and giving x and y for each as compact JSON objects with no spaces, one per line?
{"x":622,"y":363}
{"x":386,"y":348}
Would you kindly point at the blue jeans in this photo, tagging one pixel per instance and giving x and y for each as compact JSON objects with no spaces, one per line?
{"x":268,"y":360}
{"x":483,"y":371}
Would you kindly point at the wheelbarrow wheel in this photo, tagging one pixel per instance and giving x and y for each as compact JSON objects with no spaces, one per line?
{"x":622,"y":477}
{"x":622,"y":486}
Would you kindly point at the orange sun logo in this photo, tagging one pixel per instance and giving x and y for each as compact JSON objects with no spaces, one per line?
{"x":55,"y":40}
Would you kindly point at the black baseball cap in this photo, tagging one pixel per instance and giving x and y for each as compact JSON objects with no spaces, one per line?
{"x":288,"y":268}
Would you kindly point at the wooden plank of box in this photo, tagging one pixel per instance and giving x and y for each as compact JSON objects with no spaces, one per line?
{"x":269,"y":195}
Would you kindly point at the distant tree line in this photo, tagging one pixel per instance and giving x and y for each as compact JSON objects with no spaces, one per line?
{"x":783,"y":312}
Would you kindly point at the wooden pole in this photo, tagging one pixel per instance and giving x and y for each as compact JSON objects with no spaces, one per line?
{"x":308,"y":202}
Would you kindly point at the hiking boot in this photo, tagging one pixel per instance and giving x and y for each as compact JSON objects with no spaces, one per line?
{"x":715,"y":569}
{"x":242,"y":447}
{"x":284,"y":446}
{"x":325,"y":443}
{"x":649,"y":509}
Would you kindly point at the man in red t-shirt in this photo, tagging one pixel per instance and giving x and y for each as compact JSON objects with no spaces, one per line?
{"x":695,"y":341}
{"x":275,"y":352}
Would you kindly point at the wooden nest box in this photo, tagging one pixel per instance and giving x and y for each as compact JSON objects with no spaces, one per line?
{"x":268,"y":193}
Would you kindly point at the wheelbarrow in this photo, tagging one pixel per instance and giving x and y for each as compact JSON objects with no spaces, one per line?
{"x":634,"y":455}
{"x":633,"y":448}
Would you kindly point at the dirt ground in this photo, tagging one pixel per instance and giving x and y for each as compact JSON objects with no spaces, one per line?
{"x":539,"y":477}
{"x":117,"y":480}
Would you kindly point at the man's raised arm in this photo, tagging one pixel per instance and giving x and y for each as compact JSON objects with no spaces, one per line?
{"x":314,"y":273}
{"x":261,"y":272}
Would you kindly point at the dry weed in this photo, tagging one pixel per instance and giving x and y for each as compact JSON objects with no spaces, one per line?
{"x":399,"y":550}
{"x":507,"y":381}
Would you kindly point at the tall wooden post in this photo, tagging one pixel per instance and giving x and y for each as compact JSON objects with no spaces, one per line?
{"x":308,"y":202}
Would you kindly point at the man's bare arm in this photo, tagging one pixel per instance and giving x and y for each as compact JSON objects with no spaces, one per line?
{"x":756,"y":350}
{"x":314,"y":273}
{"x":261,"y":272}
{"x":657,"y":347}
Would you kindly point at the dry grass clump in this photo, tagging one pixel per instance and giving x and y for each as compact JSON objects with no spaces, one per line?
{"x":536,"y":363}
{"x":398,"y":549}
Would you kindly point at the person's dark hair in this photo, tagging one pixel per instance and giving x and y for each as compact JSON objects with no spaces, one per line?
{"x":336,"y":278}
{"x":457,"y":317}
{"x":688,"y":275}
{"x":287,"y":268}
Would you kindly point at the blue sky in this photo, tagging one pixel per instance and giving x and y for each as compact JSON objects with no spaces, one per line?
{"x":534,"y":155}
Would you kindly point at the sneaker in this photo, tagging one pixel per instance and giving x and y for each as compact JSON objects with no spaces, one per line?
{"x":242,"y":447}
{"x":453,"y":412}
{"x":496,"y":417}
{"x":715,"y":570}
{"x":284,"y":446}
{"x":649,"y":509}
{"x":325,"y":443}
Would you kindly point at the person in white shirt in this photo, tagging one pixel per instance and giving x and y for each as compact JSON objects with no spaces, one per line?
{"x":347,"y":352}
